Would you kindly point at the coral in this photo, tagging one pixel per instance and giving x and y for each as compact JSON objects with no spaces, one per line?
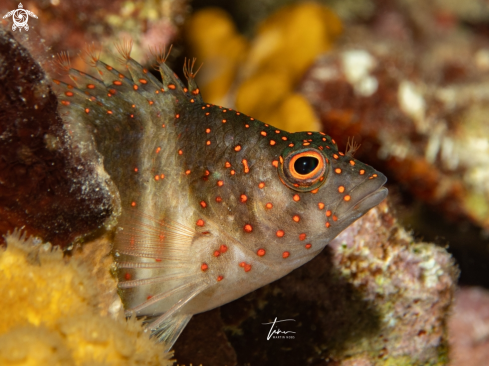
{"x":284,"y":46}
{"x":55,"y":311}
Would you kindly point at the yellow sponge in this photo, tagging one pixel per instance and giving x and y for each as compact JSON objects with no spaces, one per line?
{"x":52,"y":313}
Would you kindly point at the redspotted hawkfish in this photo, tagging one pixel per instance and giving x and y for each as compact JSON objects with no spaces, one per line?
{"x":214,"y":203}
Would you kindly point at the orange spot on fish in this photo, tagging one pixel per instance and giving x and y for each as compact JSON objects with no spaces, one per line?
{"x":263,"y":133}
{"x":208,"y":142}
{"x":133,"y":204}
{"x":208,"y":130}
{"x":285,"y":254}
{"x":247,"y":267}
{"x":362,"y":172}
{"x":187,"y":172}
{"x":220,"y":183}
{"x":341,"y":189}
{"x":87,"y":110}
{"x":218,"y":199}
{"x":243,"y":198}
{"x":347,"y":198}
{"x":223,"y":249}
{"x":272,"y":142}
{"x":337,"y":171}
{"x":321,"y":205}
{"x":200,"y":222}
{"x":261,"y":185}
{"x":275,"y":163}
{"x":296,"y":218}
{"x":302,"y":237}
{"x":269,"y":205}
{"x":158,"y":149}
{"x":308,"y":246}
{"x":237,"y":148}
{"x":171,"y":86}
{"x":220,"y":278}
{"x":328,"y":224}
{"x":217,"y":253}
{"x":261,"y":252}
{"x":204,"y":267}
{"x":352,"y":163}
{"x":248,"y":228}
{"x":296,"y":198}
{"x":227,"y":164}
{"x":328,"y":213}
{"x":180,"y":152}
{"x":203,"y":204}
{"x":280,"y":233}
{"x":245,"y":165}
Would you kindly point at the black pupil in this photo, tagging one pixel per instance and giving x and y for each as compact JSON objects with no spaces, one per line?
{"x":305,"y":165}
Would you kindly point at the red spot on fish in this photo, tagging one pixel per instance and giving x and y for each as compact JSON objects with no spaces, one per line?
{"x":203,"y":204}
{"x":223,"y":249}
{"x":204,"y":267}
{"x":247,"y":267}
{"x":243,"y":198}
{"x":308,"y":246}
{"x":219,"y":278}
{"x":285,"y":254}
{"x":248,"y":228}
{"x":302,"y":237}
{"x":200,"y":222}
{"x":261,"y":252}
{"x":217,"y":253}
{"x":127,"y":276}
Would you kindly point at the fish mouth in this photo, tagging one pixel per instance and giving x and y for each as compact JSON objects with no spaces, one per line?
{"x":365,"y":196}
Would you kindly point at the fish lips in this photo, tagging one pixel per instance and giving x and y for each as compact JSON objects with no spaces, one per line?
{"x":363,"y":197}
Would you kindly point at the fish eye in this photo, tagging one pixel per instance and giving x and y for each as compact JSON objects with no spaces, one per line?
{"x":305,"y":165}
{"x":303,"y":170}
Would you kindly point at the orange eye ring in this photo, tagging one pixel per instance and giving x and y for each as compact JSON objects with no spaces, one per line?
{"x":313,"y":154}
{"x":311,"y":177}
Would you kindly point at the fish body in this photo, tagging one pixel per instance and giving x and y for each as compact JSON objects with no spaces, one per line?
{"x":213,"y":203}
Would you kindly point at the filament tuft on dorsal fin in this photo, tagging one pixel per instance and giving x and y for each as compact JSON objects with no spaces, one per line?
{"x":124,"y":48}
{"x":63,"y":60}
{"x":188,"y":67}
{"x":160,"y":54}
{"x":92,"y":52}
{"x":351,"y":147}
